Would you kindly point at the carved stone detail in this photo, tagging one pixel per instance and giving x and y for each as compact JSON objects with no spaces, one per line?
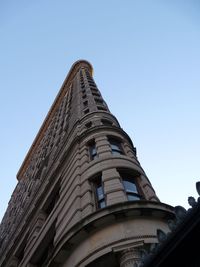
{"x":130,"y":258}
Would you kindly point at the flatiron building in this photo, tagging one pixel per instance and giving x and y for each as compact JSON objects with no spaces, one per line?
{"x":82,"y":197}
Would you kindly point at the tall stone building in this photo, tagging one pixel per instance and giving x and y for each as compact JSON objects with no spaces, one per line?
{"x":82,"y":197}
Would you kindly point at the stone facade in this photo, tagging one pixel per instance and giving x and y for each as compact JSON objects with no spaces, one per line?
{"x":82,"y":198}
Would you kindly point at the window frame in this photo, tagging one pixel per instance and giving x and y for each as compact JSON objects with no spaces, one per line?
{"x":129,"y":180}
{"x":116,"y":146}
{"x":92,"y":150}
{"x":98,"y":186}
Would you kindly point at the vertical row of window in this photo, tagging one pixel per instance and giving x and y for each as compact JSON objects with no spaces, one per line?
{"x":129,"y":184}
{"x":100,"y":104}
{"x":61,"y":119}
{"x":51,"y":137}
{"x":82,"y":80}
{"x":128,"y":181}
{"x":95,"y":92}
{"x":41,"y":255}
{"x":98,"y":99}
{"x":90,"y":80}
{"x":84,"y":96}
{"x":47,"y":248}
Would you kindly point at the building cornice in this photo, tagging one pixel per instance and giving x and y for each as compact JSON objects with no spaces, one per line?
{"x":137,"y":209}
{"x":65,"y":86}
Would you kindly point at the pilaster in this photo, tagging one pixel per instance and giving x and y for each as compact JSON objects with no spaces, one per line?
{"x":113,"y":187}
{"x":103,"y":146}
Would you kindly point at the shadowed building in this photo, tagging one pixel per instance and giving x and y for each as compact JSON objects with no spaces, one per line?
{"x":179,"y":247}
{"x":82,"y":197}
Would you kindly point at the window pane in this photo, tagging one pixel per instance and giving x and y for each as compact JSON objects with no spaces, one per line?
{"x":130,"y":186}
{"x":102,"y":204}
{"x":93,"y":152}
{"x":115,"y":152}
{"x":133,"y":197}
{"x":100,"y":197}
{"x":100,"y":194}
{"x":115,"y":147}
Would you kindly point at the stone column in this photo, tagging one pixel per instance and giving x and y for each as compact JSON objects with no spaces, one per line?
{"x":130,"y":258}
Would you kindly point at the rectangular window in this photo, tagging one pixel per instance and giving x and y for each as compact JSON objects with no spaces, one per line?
{"x":99,"y":190}
{"x":116,"y":146}
{"x":95,"y":91}
{"x":96,"y":94}
{"x":99,"y":101}
{"x":91,"y":84}
{"x":93,"y":151}
{"x":102,"y":108}
{"x":130,"y":187}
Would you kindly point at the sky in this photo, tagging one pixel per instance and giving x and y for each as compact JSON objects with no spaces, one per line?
{"x":146,"y":59}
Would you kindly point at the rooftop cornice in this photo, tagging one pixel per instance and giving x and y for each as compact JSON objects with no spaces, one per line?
{"x":65,"y":86}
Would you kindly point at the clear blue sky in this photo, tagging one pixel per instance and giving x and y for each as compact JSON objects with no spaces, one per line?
{"x":146,"y":59}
